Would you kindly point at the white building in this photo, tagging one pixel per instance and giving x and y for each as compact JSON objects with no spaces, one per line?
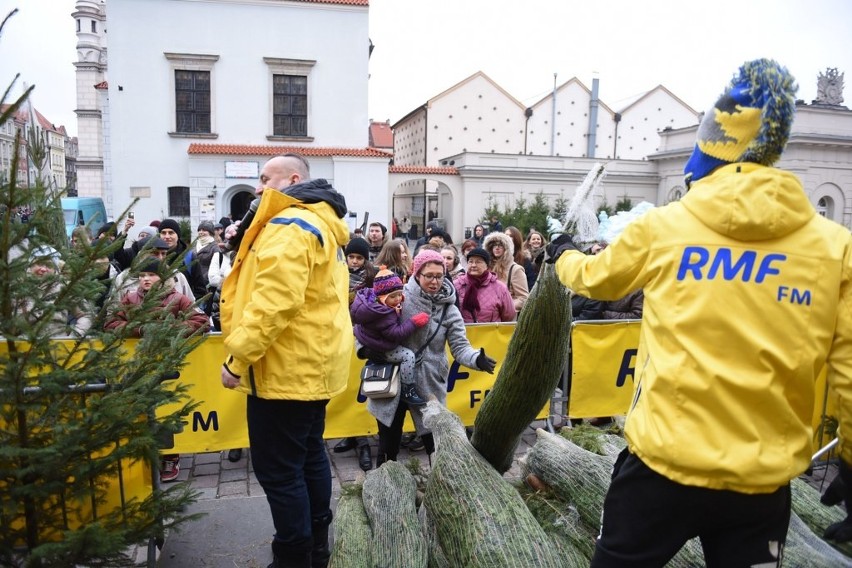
{"x":190,"y":117}
{"x":474,"y":144}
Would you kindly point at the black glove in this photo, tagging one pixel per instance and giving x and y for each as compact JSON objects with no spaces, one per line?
{"x":484,"y":362}
{"x":559,"y":245}
{"x":842,"y":485}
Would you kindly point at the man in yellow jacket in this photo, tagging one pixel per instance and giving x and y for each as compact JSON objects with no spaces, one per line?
{"x":748,"y":293}
{"x":285,"y":316}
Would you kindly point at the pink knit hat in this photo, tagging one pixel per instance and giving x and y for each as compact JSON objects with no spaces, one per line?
{"x":425,"y":256}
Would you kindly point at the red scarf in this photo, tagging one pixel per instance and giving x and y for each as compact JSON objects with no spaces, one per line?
{"x":471,"y":298}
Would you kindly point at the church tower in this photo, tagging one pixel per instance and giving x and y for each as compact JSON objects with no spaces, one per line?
{"x":90,"y":21}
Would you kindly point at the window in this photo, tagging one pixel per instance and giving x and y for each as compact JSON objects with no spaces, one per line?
{"x":193,"y":80}
{"x":78,"y":25}
{"x":178,"y":201}
{"x":192,"y":101}
{"x":289,"y":105}
{"x":94,"y":26}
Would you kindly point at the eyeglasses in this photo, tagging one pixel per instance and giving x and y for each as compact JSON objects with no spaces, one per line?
{"x":433,"y":277}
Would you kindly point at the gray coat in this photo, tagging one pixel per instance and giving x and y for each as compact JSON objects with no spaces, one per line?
{"x":430,"y":372}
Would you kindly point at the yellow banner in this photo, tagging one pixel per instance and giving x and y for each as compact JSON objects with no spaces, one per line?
{"x":603,"y":357}
{"x":220,"y":422}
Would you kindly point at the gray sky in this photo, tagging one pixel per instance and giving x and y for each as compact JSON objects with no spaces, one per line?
{"x":423,"y":47}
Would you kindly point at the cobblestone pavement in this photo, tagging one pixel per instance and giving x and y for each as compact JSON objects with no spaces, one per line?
{"x":236,"y":528}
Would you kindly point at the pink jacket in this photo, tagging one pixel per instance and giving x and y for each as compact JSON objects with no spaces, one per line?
{"x":175,"y":303}
{"x":495,"y":302}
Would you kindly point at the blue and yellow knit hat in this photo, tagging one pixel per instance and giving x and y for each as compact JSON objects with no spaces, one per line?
{"x":750,"y":122}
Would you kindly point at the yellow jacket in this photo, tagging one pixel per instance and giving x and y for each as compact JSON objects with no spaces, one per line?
{"x":747,"y":295}
{"x":284,"y":306}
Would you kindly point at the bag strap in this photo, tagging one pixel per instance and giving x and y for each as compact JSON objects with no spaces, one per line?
{"x":509,"y":279}
{"x":434,"y":333}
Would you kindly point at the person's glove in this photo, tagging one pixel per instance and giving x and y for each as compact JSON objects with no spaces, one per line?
{"x":484,"y":362}
{"x":559,"y":245}
{"x":842,"y":485}
{"x":420,"y":319}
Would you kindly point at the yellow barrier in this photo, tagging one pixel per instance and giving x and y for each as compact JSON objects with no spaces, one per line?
{"x":220,"y":423}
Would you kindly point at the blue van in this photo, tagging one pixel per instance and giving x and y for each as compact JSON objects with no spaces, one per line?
{"x":88,"y":211}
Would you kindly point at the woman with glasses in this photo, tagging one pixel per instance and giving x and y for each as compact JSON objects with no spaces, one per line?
{"x":427,"y":291}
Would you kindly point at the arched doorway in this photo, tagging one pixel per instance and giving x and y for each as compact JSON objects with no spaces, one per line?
{"x":237,"y":199}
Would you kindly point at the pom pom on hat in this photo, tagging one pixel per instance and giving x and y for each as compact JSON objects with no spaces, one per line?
{"x":750,"y":122}
{"x":358,"y":246}
{"x":425,"y":256}
{"x":386,"y":282}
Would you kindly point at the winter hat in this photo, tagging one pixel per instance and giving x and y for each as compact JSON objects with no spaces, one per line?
{"x":750,"y":122}
{"x":204,"y":226}
{"x":150,"y":231}
{"x":150,"y":265}
{"x":358,"y":246}
{"x":481,"y":253}
{"x":104,"y":229}
{"x":424,"y":256}
{"x":155,"y":223}
{"x":386,"y":282}
{"x":158,"y":243}
{"x":170,"y":224}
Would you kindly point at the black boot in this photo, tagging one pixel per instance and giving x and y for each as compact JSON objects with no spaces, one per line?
{"x":410,"y":396}
{"x":321,"y":552}
{"x":345,"y":445}
{"x":287,"y":557}
{"x":365,"y":457}
{"x":381,"y":458}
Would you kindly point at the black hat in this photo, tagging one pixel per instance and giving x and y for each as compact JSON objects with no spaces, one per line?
{"x":358,"y":246}
{"x":170,"y":224}
{"x":481,"y":253}
{"x":150,"y":265}
{"x":159,"y":243}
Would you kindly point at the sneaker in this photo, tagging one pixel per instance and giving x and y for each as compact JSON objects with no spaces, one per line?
{"x":235,"y":455}
{"x":169,"y":468}
{"x":410,"y":396}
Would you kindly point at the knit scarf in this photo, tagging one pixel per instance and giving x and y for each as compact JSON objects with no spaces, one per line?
{"x":471,"y":298}
{"x":203,"y":242}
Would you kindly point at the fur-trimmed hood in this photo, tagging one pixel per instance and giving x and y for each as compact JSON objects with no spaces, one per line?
{"x":502,"y":265}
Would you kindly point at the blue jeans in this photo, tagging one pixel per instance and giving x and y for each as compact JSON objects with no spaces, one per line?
{"x":290,"y":463}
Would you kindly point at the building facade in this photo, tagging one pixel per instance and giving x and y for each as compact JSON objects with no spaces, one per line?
{"x":187,"y":120}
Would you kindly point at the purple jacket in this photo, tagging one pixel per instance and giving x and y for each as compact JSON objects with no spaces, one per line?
{"x":377,"y":326}
{"x":495,"y":302}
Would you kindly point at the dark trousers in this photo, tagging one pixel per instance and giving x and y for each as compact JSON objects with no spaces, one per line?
{"x":291,"y":465}
{"x":647,"y":518}
{"x":391,"y":436}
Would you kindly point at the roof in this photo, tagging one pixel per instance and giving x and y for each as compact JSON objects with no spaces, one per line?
{"x":381,"y":135}
{"x":22,"y":116}
{"x":103,"y":85}
{"x":640,"y":97}
{"x":422,"y":170}
{"x":270,"y":150}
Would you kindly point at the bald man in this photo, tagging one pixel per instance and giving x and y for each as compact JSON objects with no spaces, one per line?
{"x":288,"y":336}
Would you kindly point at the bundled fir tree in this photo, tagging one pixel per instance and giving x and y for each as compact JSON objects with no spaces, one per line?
{"x":75,"y":412}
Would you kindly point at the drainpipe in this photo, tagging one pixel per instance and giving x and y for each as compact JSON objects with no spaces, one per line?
{"x":527,"y":113}
{"x":593,"y":120}
{"x":617,"y":118}
{"x":553,"y":119}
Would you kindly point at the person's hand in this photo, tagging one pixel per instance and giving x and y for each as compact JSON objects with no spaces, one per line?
{"x":841,"y":487}
{"x":229,"y":380}
{"x":128,"y":224}
{"x":420,"y":319}
{"x":559,"y":245}
{"x":484,"y":362}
